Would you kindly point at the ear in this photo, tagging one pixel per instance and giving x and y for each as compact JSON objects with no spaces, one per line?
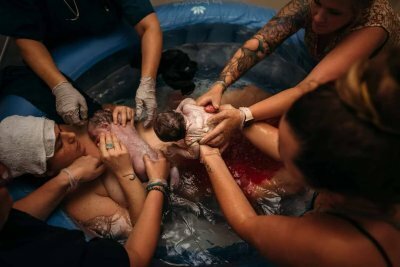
{"x":106,"y":126}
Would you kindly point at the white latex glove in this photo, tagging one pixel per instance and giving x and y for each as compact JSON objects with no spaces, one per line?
{"x":70,"y":104}
{"x":146,"y":100}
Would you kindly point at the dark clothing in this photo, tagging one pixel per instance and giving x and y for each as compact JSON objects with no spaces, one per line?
{"x":51,"y":21}
{"x":365,"y":233}
{"x":27,"y":241}
{"x":55,"y":22}
{"x":23,"y":82}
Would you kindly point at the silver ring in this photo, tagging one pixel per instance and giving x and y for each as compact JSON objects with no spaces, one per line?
{"x":109,"y":146}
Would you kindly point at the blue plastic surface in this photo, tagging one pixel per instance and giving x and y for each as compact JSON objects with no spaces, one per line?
{"x":16,"y":105}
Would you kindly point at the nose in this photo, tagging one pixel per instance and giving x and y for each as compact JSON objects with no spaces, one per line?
{"x":70,"y":137}
{"x":319,"y":16}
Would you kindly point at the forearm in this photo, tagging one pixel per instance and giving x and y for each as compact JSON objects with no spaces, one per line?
{"x":41,"y":202}
{"x":244,"y":59}
{"x":265,"y":137}
{"x":276,"y":105}
{"x":135,"y":195}
{"x":143,"y":239}
{"x":37,"y":56}
{"x":151,"y":42}
{"x":231,"y":199}
{"x":286,"y":22}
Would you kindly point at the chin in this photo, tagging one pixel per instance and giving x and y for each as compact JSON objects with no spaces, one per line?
{"x":321,"y":31}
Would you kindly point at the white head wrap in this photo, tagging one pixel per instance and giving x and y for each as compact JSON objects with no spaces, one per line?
{"x":25,"y":144}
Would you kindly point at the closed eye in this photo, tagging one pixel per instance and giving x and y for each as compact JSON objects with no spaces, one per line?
{"x":59,"y":143}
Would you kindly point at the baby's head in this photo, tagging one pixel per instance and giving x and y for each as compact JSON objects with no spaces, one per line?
{"x":170,"y":126}
{"x":100,"y":122}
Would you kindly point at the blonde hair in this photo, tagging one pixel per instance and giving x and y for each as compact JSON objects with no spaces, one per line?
{"x":357,"y":93}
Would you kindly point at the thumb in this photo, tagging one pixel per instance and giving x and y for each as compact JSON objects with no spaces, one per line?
{"x":215,"y":103}
{"x":149,"y":120}
{"x":83,"y":109}
{"x":139,"y":108}
{"x":146,"y":159}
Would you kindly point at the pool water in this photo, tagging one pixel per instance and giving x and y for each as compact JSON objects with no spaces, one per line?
{"x":194,"y":230}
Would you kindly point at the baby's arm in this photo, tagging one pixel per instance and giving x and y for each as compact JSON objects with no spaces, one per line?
{"x":185,"y":102}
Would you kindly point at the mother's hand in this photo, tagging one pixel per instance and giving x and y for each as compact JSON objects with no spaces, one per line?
{"x":115,"y":155}
{"x":226,"y":121}
{"x":86,"y":168}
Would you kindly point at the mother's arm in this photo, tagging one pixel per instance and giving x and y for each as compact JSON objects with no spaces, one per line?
{"x":41,"y":202}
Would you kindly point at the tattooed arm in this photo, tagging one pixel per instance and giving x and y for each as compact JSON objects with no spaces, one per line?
{"x":288,"y":21}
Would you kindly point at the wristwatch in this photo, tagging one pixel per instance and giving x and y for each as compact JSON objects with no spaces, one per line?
{"x":248,"y":117}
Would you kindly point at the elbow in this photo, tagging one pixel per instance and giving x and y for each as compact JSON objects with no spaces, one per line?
{"x":135,"y":260}
{"x":244,"y":228}
{"x":149,"y":25}
{"x":307,"y":86}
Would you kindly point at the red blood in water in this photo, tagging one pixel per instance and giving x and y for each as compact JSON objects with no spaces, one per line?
{"x":247,"y":164}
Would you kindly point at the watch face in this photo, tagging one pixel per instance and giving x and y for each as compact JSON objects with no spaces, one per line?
{"x":248,"y":122}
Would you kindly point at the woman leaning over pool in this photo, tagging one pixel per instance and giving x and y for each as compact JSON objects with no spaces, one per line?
{"x":349,"y":151}
{"x":337,"y":34}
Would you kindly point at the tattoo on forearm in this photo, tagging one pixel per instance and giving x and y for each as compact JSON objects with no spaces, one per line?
{"x":289,"y":20}
{"x":239,"y":65}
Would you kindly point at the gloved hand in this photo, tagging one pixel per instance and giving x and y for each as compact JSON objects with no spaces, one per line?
{"x":146,"y":100}
{"x":70,"y":104}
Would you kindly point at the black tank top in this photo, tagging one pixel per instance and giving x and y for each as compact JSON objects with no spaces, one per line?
{"x":366,"y":234}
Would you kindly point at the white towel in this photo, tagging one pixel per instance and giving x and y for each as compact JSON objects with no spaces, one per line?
{"x":25,"y":144}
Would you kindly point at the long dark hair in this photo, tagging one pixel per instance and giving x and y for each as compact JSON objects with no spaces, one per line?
{"x":349,"y":132}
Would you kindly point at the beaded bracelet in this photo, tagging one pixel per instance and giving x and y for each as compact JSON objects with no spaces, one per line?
{"x":158,"y":188}
{"x":159,"y":182}
{"x":73,"y":182}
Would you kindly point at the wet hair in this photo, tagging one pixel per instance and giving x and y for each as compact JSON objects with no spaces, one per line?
{"x":349,"y":132}
{"x":170,"y":126}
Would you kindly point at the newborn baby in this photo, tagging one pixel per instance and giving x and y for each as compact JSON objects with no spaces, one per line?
{"x":102,"y":121}
{"x":186,"y":126}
